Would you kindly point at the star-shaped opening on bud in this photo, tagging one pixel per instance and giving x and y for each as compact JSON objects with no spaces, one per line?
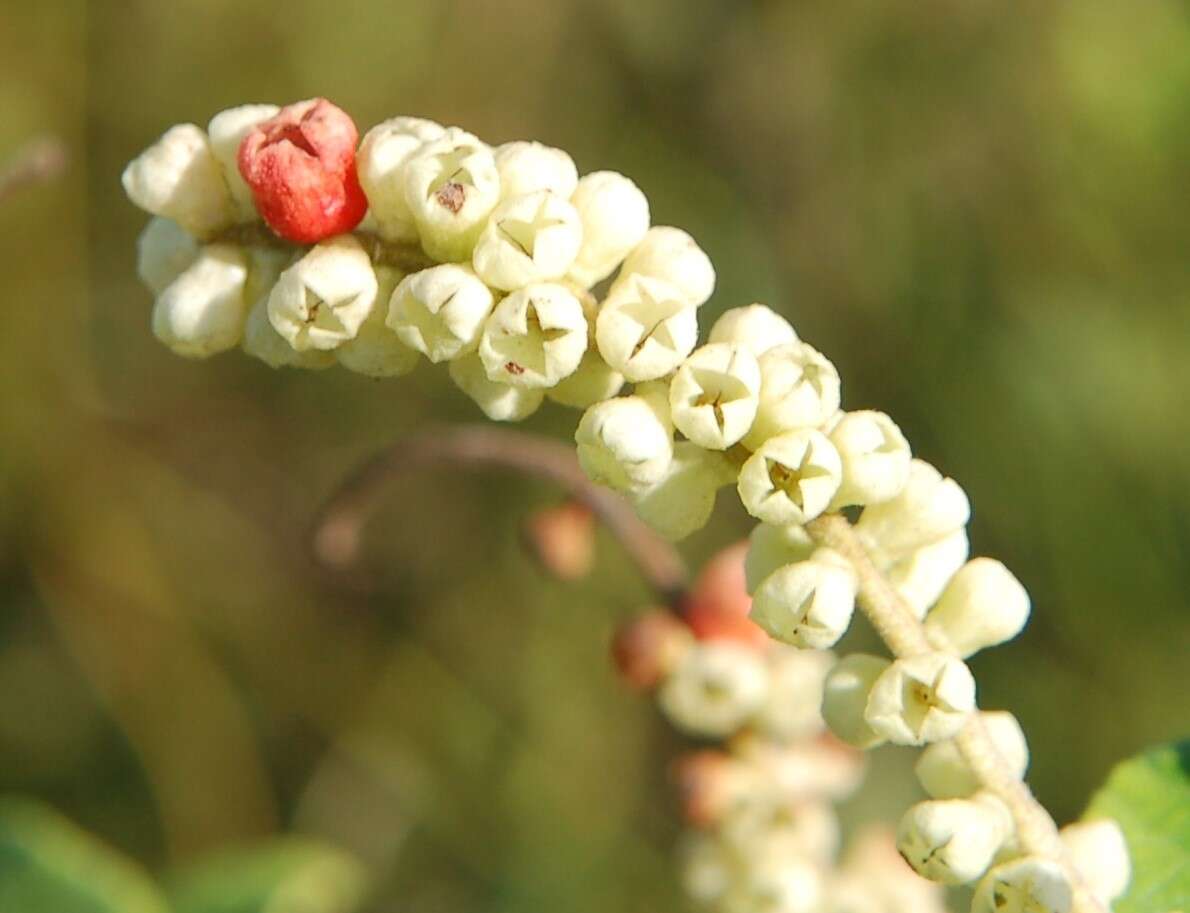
{"x":1018,"y":898}
{"x":528,"y":351}
{"x":453,"y":179}
{"x":429,"y":322}
{"x":920,"y":699}
{"x":652,"y":314}
{"x":797,"y":483}
{"x":523,"y":233}
{"x":808,"y":626}
{"x":320,"y":315}
{"x":720,"y":390}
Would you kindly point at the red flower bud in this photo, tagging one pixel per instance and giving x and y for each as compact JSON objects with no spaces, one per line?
{"x":562,"y":539}
{"x":300,"y":165}
{"x":718,"y":606}
{"x":646,"y":648}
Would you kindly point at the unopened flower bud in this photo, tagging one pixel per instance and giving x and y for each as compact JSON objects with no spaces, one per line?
{"x":710,"y":782}
{"x":381,"y":161}
{"x":648,"y":648}
{"x":921,"y":575}
{"x":929,"y":508}
{"x":451,"y":186}
{"x":708,"y":868}
{"x":921,"y":699}
{"x":713,"y":395}
{"x":645,"y":328}
{"x":717,"y":606}
{"x":799,"y":389}
{"x":776,"y":884}
{"x":944,"y":774}
{"x":1100,"y":854}
{"x":808,"y":604}
{"x":1030,"y":884}
{"x":527,"y":167}
{"x":797,"y":679}
{"x":615,"y":217}
{"x":952,"y":841}
{"x":756,"y":327}
{"x":376,"y":350}
{"x":178,"y":178}
{"x":440,"y":311}
{"x":875,"y":458}
{"x":791,"y":478}
{"x":499,"y":402}
{"x":535,"y":337}
{"x":163,"y":252}
{"x":623,"y":444}
{"x":261,"y":339}
{"x":321,"y":301}
{"x":593,"y":381}
{"x":202,"y":312}
{"x":226,"y":132}
{"x":671,"y":255}
{"x":681,"y":501}
{"x":714,"y":689}
{"x":845,"y":698}
{"x":763,"y":823}
{"x":817,"y":768}
{"x":562,"y":539}
{"x":530,"y":238}
{"x":771,"y":547}
{"x":984,"y":605}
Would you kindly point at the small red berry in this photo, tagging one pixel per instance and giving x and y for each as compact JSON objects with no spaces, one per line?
{"x":300,"y":165}
{"x":718,"y":605}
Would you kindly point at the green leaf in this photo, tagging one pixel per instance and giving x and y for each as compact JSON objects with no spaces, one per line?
{"x":1149,"y":796}
{"x":49,"y":864}
{"x":287,"y":874}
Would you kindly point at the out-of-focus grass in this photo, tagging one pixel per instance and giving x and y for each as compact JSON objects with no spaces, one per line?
{"x":978,"y":216}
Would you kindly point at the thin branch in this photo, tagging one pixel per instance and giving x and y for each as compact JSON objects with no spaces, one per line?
{"x":409,"y":258}
{"x":36,"y":162}
{"x":338,"y":529}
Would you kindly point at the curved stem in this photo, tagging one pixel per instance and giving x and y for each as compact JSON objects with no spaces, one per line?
{"x":339,"y":526}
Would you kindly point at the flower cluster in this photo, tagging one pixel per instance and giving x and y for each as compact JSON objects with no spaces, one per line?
{"x":534,"y":283}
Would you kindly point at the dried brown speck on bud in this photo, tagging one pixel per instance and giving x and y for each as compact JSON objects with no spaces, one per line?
{"x":513,"y":368}
{"x":562,"y":539}
{"x":452,"y":196}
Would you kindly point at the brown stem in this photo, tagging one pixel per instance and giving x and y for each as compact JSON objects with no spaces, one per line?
{"x":37,"y":161}
{"x":339,"y":526}
{"x":408,"y":258}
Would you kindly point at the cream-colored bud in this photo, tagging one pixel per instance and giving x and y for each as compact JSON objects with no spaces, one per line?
{"x":645,"y":328}
{"x":530,"y":238}
{"x":1030,"y":884}
{"x":921,"y":699}
{"x":793,"y":709}
{"x":984,"y":605}
{"x":845,"y":698}
{"x":671,"y":255}
{"x":682,"y":500}
{"x":376,"y":351}
{"x":226,"y":131}
{"x":715,"y":688}
{"x":383,"y":154}
{"x":499,"y":402}
{"x":921,"y":575}
{"x":202,"y":312}
{"x":592,"y":381}
{"x":535,"y":337}
{"x":799,"y":389}
{"x":440,"y":311}
{"x":791,"y":478}
{"x":929,"y":508}
{"x":451,"y":186}
{"x":623,"y":444}
{"x":708,"y":867}
{"x":775,"y":883}
{"x":615,"y":216}
{"x":261,"y":340}
{"x":875,"y":458}
{"x":771,"y":547}
{"x":944,"y":774}
{"x":1100,"y":854}
{"x":178,"y":178}
{"x":163,"y":252}
{"x":527,"y":167}
{"x":321,"y":301}
{"x":656,"y":394}
{"x":808,"y":604}
{"x":713,"y":395}
{"x":952,"y":841}
{"x":756,"y":327}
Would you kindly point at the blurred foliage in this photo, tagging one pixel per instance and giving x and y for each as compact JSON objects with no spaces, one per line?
{"x":978,"y":216}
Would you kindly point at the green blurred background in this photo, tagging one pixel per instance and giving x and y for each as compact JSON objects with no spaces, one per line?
{"x":979,"y":215}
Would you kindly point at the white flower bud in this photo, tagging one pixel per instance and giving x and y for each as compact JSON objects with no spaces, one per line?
{"x":805,"y":771}
{"x":762,"y":823}
{"x":592,"y":381}
{"x":845,"y":698}
{"x":645,"y":328}
{"x":808,"y":604}
{"x":952,"y":841}
{"x":713,"y":395}
{"x":756,"y":327}
{"x":527,"y":167}
{"x":984,"y":605}
{"x":622,"y":443}
{"x":178,"y":178}
{"x":451,"y":186}
{"x":929,"y":508}
{"x":530,"y":238}
{"x":671,"y":255}
{"x":163,"y":252}
{"x":776,"y":884}
{"x":440,"y":311}
{"x":921,"y":575}
{"x":227,"y":130}
{"x":793,"y":709}
{"x":682,"y":500}
{"x":875,"y":458}
{"x":380,"y":163}
{"x":921,"y":699}
{"x":714,"y":689}
{"x":376,"y":351}
{"x":261,"y":340}
{"x":944,"y":774}
{"x":535,"y":337}
{"x":320,"y":301}
{"x":656,"y":394}
{"x":799,"y":389}
{"x":202,"y":312}
{"x":1100,"y":854}
{"x":708,"y":868}
{"x":771,"y":547}
{"x":615,"y":216}
{"x":499,"y":402}
{"x":791,"y":478}
{"x":1030,"y":884}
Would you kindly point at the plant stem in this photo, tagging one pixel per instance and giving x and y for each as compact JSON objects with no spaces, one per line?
{"x":408,"y":258}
